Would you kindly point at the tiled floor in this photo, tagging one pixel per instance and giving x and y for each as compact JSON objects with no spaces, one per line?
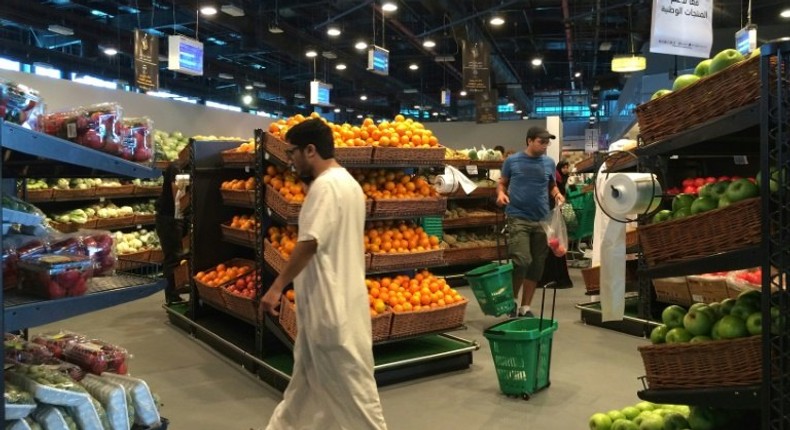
{"x":592,"y":370}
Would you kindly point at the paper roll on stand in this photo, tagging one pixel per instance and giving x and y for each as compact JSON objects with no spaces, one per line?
{"x":621,"y":196}
{"x":451,"y":180}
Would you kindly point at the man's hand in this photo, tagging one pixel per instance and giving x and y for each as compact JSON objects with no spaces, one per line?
{"x":559,"y":199}
{"x":502,"y":199}
{"x":270,"y":302}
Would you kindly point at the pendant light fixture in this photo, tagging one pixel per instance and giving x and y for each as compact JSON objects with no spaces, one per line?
{"x":631,"y":62}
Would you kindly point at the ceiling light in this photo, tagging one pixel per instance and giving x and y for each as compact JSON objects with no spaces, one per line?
{"x":496,"y":20}
{"x":329,"y":55}
{"x":248,"y":87}
{"x":363,"y":97}
{"x":59,"y":29}
{"x":428,"y":43}
{"x":110,"y":51}
{"x":232,"y":10}
{"x":511,"y":104}
{"x":311,"y":53}
{"x":246,"y":99}
{"x":337,"y":110}
{"x":605,"y":46}
{"x":333,"y":30}
{"x":389,"y":6}
{"x":274,"y":29}
{"x":444,"y":58}
{"x":340,"y":66}
{"x":593,"y":106}
{"x":208,"y":10}
{"x":359,"y":116}
{"x":519,"y":111}
{"x":435,"y":114}
{"x":410,"y":91}
{"x":413,"y":66}
{"x":257,"y":84}
{"x":785,"y":13}
{"x":537,"y":62}
{"x":577,"y":75}
{"x":227,"y":76}
{"x":361,"y":45}
{"x":628,"y":63}
{"x":463,"y":93}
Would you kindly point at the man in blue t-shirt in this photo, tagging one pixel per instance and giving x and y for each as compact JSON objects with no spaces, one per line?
{"x":526,"y":184}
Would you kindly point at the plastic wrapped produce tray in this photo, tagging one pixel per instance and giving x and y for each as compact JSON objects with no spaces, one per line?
{"x":440,"y":318}
{"x":145,"y":411}
{"x":719,"y":363}
{"x":112,"y":396}
{"x":84,"y":412}
{"x":50,"y":418}
{"x":16,"y":411}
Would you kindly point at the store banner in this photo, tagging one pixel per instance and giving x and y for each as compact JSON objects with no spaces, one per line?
{"x":146,"y":61}
{"x":476,"y":70}
{"x":682,"y":27}
{"x":486,"y":107}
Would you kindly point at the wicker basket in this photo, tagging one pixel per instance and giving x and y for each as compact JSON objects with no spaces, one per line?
{"x":143,"y":219}
{"x":437,"y":319}
{"x":631,"y":239}
{"x":719,"y":230}
{"x":117,"y":222}
{"x":233,"y":158}
{"x":368,"y":261}
{"x":133,"y":260}
{"x":476,"y":193}
{"x":348,"y":155}
{"x":592,"y":277}
{"x":123,"y":190}
{"x":273,"y":257}
{"x":275,"y":147}
{"x":237,"y":235}
{"x":672,"y":290}
{"x":701,"y":101}
{"x":405,"y":261}
{"x":73,"y":194}
{"x":721,"y":363}
{"x":66,"y":227}
{"x":146,"y":191}
{"x":157,"y":255}
{"x":284,"y":209}
{"x":212,"y":295}
{"x":242,"y":307}
{"x":474,"y":255}
{"x":288,"y":317}
{"x":242,"y":198}
{"x":43,"y":195}
{"x":586,"y":164}
{"x":381,"y":325}
{"x":474,"y":221}
{"x":405,"y":208}
{"x":707,"y":289}
{"x":409,"y":156}
{"x":619,"y":160}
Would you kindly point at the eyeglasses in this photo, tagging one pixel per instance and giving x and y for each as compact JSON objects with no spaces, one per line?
{"x":544,"y":141}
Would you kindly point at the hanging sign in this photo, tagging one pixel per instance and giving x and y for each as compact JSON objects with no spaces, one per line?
{"x":475,"y":66}
{"x":486,"y":107}
{"x":590,"y":140}
{"x":146,"y":61}
{"x":682,"y":27}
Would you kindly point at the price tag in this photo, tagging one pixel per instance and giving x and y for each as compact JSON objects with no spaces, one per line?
{"x":139,"y":226}
{"x":472,"y":170}
{"x":101,"y":199}
{"x":247,"y":169}
{"x":741,"y":160}
{"x":265,"y":155}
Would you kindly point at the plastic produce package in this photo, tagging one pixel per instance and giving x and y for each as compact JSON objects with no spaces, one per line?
{"x":97,"y":126}
{"x":20,"y":351}
{"x":57,"y":341}
{"x":146,"y":412}
{"x":137,"y":139}
{"x":96,"y":244}
{"x":18,"y":402}
{"x":20,"y":104}
{"x":97,"y":356}
{"x":16,"y":210}
{"x":113,"y":397}
{"x":54,"y":418}
{"x":54,"y":276}
{"x":556,"y":233}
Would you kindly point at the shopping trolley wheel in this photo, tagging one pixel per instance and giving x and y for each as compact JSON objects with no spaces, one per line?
{"x":525,"y":396}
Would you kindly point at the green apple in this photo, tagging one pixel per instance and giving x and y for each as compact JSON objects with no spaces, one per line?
{"x":681,"y":201}
{"x":704,"y":191}
{"x":724,"y":201}
{"x":701,"y":338}
{"x":715,"y":307}
{"x":645,"y":406}
{"x":754,"y":324}
{"x":600,"y":421}
{"x":718,"y":189}
{"x":751,"y":298}
{"x":624,"y":424}
{"x":724,"y":59}
{"x":675,"y":421}
{"x":672,"y":316}
{"x":678,"y":335}
{"x":777,"y":320}
{"x":643,"y":416}
{"x":631,"y":412}
{"x":662,"y":216}
{"x":730,"y":327}
{"x":714,"y":332}
{"x":697,"y":306}
{"x":699,"y":321}
{"x":701,"y":418}
{"x":659,"y":334}
{"x":615,"y":415}
{"x":652,"y":422}
{"x":683,"y":81}
{"x":755,"y":53}
{"x":703,"y":204}
{"x":742,"y":310}
{"x":726,"y":306}
{"x":681,"y":213}
{"x":742,"y":189}
{"x":660,"y":93}
{"x":702,"y":68}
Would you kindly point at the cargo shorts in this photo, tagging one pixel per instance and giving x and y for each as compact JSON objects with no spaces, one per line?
{"x":527,"y":248}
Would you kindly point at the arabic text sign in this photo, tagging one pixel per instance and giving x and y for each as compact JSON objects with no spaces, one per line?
{"x":682,"y":27}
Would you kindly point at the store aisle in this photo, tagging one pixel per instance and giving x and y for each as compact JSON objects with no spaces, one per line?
{"x":592,"y":370}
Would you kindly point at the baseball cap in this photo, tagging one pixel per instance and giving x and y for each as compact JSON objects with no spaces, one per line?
{"x":540,"y":132}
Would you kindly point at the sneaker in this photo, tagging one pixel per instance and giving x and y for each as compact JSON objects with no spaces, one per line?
{"x":524,"y":311}
{"x":513,"y":313}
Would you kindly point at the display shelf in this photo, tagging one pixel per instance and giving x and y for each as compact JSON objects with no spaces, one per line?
{"x":723,"y":261}
{"x":478,"y":193}
{"x":382,"y":165}
{"x":22,"y":311}
{"x":473,"y":221}
{"x":478,"y":163}
{"x":630,"y":324}
{"x":83,"y":161}
{"x":729,"y":126}
{"x":133,"y":195}
{"x":285,"y":221}
{"x":744,"y":397}
{"x":238,"y":241}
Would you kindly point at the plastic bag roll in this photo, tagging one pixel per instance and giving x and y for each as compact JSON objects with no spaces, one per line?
{"x":445,"y":183}
{"x":631,"y":193}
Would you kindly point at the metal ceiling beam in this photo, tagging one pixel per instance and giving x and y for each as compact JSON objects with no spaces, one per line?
{"x":465,"y":18}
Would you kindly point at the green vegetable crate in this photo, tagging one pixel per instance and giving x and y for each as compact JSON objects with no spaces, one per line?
{"x":492,"y":286}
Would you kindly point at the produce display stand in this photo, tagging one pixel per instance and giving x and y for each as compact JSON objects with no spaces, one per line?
{"x":262,"y":346}
{"x":31,"y":154}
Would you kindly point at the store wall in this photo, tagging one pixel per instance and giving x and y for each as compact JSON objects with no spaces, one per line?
{"x":460,"y":135}
{"x":167,"y":115}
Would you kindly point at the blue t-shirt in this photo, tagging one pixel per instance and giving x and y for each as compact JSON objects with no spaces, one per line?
{"x":528,"y":185}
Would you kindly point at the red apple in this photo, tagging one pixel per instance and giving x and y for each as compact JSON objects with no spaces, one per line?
{"x":690,"y":190}
{"x":698,"y":182}
{"x":723,"y":178}
{"x":710,"y":180}
{"x":92,"y":139}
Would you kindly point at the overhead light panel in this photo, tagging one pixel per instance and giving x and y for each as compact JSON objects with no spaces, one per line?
{"x":463,"y":93}
{"x":333,"y":31}
{"x":227,"y":76}
{"x":363,"y":97}
{"x":413,"y":66}
{"x":428,"y":43}
{"x":785,"y":13}
{"x":274,"y":29}
{"x":208,"y":10}
{"x":329,"y":55}
{"x":311,"y":53}
{"x":577,"y":75}
{"x":628,"y":63}
{"x":340,"y":66}
{"x":444,"y":58}
{"x":232,"y":10}
{"x":537,"y":62}
{"x":361,"y":45}
{"x":496,"y":20}
{"x":248,"y":87}
{"x":389,"y":6}
{"x":59,"y":29}
{"x":410,"y":91}
{"x":109,"y":50}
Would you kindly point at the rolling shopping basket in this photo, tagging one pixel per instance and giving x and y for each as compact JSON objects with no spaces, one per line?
{"x":492,"y":286}
{"x":521,"y":348}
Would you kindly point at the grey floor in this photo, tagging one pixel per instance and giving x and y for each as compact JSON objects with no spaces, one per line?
{"x":592,"y":370}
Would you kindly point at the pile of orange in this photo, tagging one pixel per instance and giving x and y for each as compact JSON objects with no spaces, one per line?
{"x":243,"y":222}
{"x":283,"y":239}
{"x":385,"y":184}
{"x":248,"y":146}
{"x":221,"y":274}
{"x":403,"y":294}
{"x":285,"y":183}
{"x":400,"y":133}
{"x":388,"y":237}
{"x":239,"y":184}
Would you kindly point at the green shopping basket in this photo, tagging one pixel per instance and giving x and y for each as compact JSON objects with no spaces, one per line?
{"x":521,"y":349}
{"x":492,"y":286}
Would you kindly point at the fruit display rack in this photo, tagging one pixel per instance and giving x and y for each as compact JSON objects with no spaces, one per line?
{"x":31,"y":154}
{"x":758,"y":128}
{"x":260,"y":344}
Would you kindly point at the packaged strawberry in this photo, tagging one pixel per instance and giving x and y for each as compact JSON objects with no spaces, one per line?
{"x":57,"y":341}
{"x":137,"y":139}
{"x":97,"y":356}
{"x":54,"y":276}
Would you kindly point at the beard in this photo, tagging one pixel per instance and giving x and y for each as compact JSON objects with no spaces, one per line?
{"x":306,"y":177}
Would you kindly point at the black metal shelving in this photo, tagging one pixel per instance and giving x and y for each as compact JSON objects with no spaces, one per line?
{"x":743,"y":397}
{"x":732,"y":260}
